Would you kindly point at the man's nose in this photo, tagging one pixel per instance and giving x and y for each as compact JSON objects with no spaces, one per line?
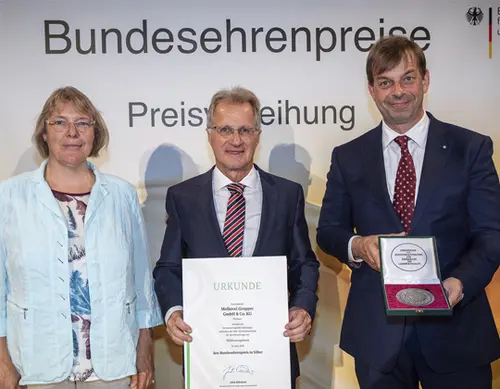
{"x":236,"y":138}
{"x":398,"y":90}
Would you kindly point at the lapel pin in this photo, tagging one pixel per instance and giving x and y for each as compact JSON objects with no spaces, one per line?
{"x":444,"y":146}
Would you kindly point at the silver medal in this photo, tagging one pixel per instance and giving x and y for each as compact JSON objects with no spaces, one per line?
{"x":415,"y":297}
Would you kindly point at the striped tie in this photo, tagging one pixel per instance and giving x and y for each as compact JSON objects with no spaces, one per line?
{"x":234,"y":226}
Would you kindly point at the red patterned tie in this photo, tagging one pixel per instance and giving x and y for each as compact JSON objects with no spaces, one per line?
{"x":234,"y":226}
{"x":406,"y":182}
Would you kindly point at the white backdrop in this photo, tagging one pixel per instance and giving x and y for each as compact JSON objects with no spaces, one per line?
{"x":283,"y":72}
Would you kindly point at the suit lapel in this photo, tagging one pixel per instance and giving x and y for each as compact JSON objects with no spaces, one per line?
{"x":44,"y":193}
{"x":374,"y":169}
{"x":437,"y":151}
{"x":97,"y":195}
{"x":208,"y":209}
{"x":49,"y":201}
{"x":269,"y":204}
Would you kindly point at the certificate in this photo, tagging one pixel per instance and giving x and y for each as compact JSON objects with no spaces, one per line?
{"x":237,"y":309}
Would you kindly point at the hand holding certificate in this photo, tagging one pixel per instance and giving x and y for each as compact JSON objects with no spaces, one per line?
{"x":178,"y":329}
{"x":299,"y":326}
{"x":237,"y":309}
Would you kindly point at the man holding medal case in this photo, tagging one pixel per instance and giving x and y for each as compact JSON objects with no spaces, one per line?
{"x":414,"y":176}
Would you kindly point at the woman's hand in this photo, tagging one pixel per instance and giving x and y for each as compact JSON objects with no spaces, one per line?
{"x":9,"y":377}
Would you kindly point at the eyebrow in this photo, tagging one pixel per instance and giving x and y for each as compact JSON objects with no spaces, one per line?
{"x":381,"y":77}
{"x":77,"y":118}
{"x":411,"y":70}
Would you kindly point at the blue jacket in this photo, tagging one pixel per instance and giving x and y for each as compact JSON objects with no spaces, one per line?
{"x":34,"y":278}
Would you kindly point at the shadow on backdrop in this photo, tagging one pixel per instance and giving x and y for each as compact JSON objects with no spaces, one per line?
{"x":293,"y":162}
{"x":166,"y":166}
{"x":30,"y":160}
{"x":319,"y":353}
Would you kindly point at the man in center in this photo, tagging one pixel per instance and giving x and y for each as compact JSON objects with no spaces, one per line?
{"x":202,"y":209}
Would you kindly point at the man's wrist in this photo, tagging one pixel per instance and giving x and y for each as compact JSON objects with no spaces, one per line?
{"x":171,"y":311}
{"x":355,"y":251}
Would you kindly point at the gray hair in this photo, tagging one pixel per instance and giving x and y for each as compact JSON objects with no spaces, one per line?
{"x":235,"y":95}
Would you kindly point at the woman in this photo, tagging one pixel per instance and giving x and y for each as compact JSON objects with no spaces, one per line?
{"x":76,"y":292}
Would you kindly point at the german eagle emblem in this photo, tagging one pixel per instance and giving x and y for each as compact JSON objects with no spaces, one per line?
{"x":474,"y":16}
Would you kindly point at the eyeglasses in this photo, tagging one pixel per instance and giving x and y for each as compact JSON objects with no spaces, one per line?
{"x":62,"y":125}
{"x":228,"y":131}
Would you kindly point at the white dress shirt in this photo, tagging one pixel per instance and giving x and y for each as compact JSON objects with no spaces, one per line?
{"x":392,"y":154}
{"x":253,"y":205}
{"x":253,"y":210}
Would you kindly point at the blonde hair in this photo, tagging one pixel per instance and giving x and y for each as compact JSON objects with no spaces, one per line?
{"x":236,"y":95}
{"x":82,"y":105}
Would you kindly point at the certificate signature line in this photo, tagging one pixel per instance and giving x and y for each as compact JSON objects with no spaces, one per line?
{"x":240,"y":369}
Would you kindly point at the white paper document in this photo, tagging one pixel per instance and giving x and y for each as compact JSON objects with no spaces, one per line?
{"x":237,"y":309}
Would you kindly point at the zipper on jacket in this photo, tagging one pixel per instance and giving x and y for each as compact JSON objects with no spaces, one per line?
{"x":25,"y":310}
{"x":130,"y":303}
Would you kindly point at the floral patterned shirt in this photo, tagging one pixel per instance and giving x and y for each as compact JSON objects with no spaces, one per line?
{"x":73,"y":207}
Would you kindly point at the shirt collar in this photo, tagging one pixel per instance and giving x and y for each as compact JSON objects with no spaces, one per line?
{"x":418,"y":133}
{"x":220,"y":181}
{"x":39,"y":174}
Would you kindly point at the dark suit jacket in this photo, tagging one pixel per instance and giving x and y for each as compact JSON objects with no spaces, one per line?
{"x":193,"y":232}
{"x":458,"y":202}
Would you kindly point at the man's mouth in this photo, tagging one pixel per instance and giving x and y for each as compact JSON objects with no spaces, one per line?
{"x":400,"y":104}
